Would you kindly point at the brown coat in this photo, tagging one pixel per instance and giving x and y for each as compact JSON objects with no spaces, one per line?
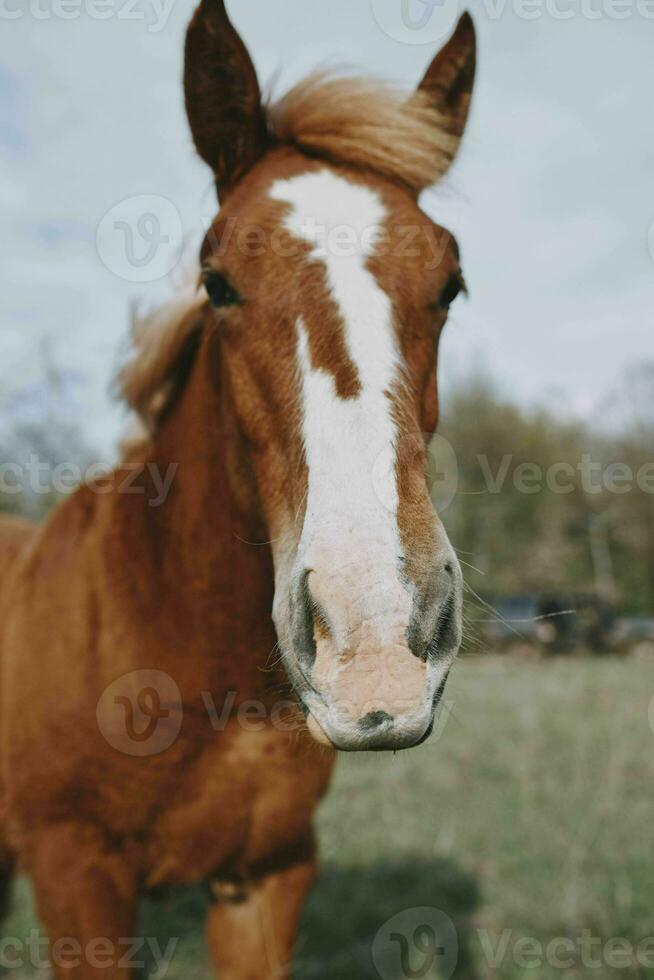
{"x":149,"y":734}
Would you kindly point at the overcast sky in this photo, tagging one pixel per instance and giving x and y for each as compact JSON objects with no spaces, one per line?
{"x":551,"y":198}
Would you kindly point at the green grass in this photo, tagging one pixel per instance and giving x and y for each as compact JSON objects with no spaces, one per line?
{"x":530,"y":816}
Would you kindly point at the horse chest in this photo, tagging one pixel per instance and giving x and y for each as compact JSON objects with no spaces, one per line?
{"x":249,"y":798}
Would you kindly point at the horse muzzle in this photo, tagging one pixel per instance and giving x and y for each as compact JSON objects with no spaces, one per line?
{"x":369,"y":656}
{"x":375,"y":694}
{"x":375,"y":731}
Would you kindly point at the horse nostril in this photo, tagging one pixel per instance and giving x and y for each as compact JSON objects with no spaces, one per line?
{"x":302,"y":619}
{"x":375,"y":719}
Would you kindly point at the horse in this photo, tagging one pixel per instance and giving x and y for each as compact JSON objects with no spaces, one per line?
{"x":178,"y":675}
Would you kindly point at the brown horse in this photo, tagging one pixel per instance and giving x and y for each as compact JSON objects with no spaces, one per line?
{"x":176,"y":674}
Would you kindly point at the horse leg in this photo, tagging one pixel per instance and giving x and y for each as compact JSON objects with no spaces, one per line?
{"x":86,"y":898}
{"x":253,"y":938}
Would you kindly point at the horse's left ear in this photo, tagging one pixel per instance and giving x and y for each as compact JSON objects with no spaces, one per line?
{"x":223,"y":99}
{"x":450,"y":77}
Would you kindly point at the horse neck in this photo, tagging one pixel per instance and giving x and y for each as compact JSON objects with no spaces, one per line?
{"x":212,"y":522}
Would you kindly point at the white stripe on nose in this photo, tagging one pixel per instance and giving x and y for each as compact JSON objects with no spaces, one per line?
{"x":350,"y":538}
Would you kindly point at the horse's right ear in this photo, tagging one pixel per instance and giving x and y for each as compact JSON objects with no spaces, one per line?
{"x":450,"y":78}
{"x":223,"y":99}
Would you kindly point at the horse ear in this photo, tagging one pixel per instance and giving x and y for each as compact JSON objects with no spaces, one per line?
{"x":223,"y":99}
{"x":450,"y":77}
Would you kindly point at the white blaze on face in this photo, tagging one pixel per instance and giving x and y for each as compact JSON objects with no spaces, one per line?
{"x":350,"y":537}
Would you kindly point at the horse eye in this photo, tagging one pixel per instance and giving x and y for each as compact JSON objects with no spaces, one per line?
{"x":453,"y":287}
{"x":220,"y":292}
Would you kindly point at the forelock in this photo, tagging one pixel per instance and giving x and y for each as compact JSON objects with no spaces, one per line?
{"x":367,"y":124}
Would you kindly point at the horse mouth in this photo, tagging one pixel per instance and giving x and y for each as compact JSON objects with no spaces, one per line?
{"x":373,"y":733}
{"x":358,"y":737}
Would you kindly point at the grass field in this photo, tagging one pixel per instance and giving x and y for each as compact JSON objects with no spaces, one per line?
{"x":528,"y":818}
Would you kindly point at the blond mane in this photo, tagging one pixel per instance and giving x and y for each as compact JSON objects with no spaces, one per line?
{"x":368,"y":124}
{"x":358,"y":122}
